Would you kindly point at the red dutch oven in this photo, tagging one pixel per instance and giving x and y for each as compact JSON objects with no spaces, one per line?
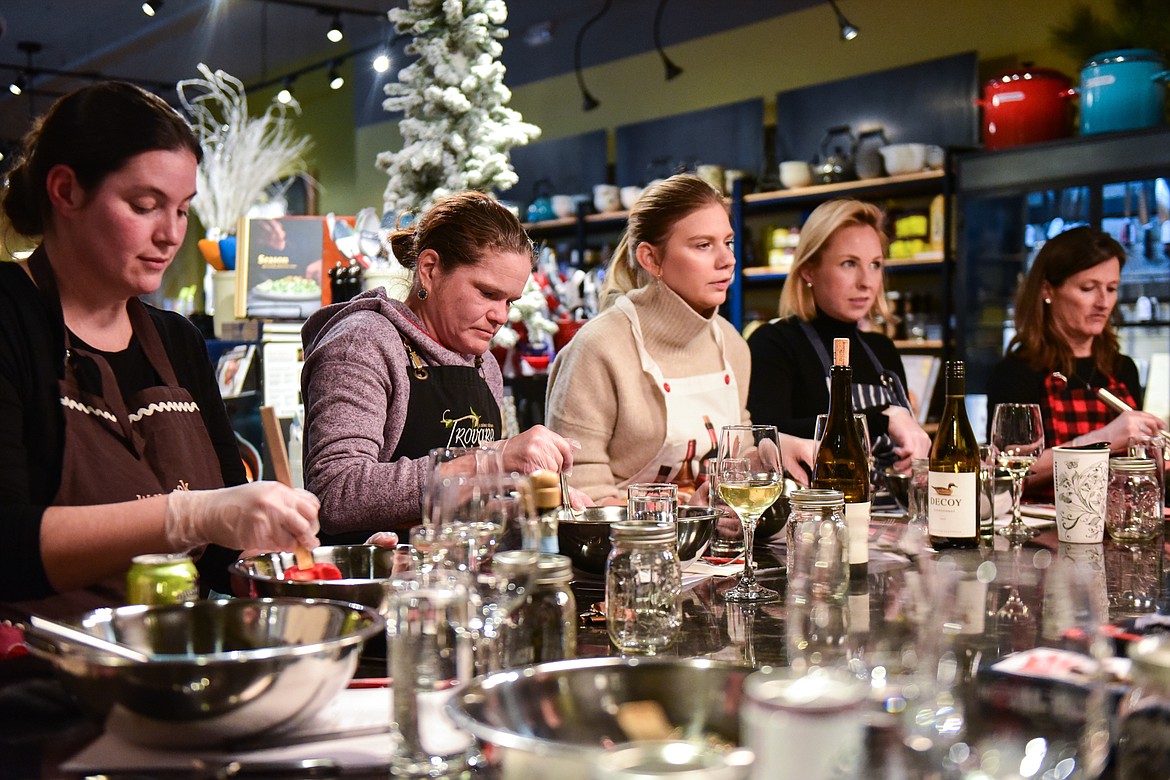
{"x":1025,"y":106}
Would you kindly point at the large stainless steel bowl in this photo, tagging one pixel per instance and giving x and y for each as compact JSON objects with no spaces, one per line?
{"x":552,"y":720}
{"x":364,"y":570}
{"x":585,"y":538}
{"x":219,"y":671}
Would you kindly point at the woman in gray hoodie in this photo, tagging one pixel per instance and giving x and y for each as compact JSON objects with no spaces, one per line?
{"x":387,"y":381}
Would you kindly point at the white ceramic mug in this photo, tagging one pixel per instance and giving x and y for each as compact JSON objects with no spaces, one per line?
{"x":795,"y":173}
{"x":630,"y":195}
{"x":1080,"y":478}
{"x":606,"y":197}
{"x":563,"y":206}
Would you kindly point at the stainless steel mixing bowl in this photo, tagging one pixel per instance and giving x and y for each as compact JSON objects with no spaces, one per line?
{"x":552,"y":720}
{"x":219,"y":671}
{"x":364,"y":569}
{"x":585,"y":538}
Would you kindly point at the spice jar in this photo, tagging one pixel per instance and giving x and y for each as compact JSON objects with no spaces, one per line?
{"x":1143,"y":746}
{"x":818,"y":546}
{"x":544,"y":628}
{"x":1132,"y":504}
{"x":643,"y":587}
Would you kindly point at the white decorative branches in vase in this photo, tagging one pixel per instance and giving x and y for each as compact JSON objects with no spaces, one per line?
{"x":242,"y":155}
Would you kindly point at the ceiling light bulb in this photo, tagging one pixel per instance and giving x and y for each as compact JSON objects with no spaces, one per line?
{"x":150,"y":7}
{"x":382,"y":63}
{"x":335,"y":34}
{"x":336,"y":80}
{"x":284,"y":97}
{"x":848,"y":32}
{"x":17,"y":86}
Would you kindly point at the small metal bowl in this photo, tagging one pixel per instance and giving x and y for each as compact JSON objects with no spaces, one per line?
{"x":364,"y":568}
{"x":219,"y":671}
{"x":585,"y":538}
{"x":556,"y":719}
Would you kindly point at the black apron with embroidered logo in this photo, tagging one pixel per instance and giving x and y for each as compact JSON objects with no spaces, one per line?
{"x":448,"y":406}
{"x":889,"y":392}
{"x":122,"y":448}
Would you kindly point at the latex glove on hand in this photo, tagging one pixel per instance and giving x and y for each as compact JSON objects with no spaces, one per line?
{"x":383,"y":539}
{"x":799,"y":457}
{"x":910,"y":441}
{"x":259,"y":515}
{"x":538,"y":448}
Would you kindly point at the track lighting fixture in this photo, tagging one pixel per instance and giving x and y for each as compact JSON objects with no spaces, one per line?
{"x":336,"y":80}
{"x":671,"y":69}
{"x":150,"y":7}
{"x":18,"y":85}
{"x":588,"y":102}
{"x":335,"y":33}
{"x":848,"y":30}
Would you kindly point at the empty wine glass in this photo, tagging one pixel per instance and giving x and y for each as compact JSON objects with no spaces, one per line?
{"x":447,"y":462}
{"x":1017,"y":439}
{"x":750,"y":478}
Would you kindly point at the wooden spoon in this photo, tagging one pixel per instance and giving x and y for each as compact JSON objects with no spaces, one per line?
{"x":274,"y":438}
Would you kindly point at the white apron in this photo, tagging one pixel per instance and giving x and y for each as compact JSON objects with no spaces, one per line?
{"x":695,"y":405}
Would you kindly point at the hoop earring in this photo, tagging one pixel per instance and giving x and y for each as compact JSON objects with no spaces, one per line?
{"x":422,"y":293}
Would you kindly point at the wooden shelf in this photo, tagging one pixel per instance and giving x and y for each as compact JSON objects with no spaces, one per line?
{"x":916,"y":344}
{"x":868,"y":187}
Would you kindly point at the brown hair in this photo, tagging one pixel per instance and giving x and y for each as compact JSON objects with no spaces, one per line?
{"x":650,"y":220}
{"x":796,"y":298}
{"x":1036,"y":339}
{"x":95,"y":131}
{"x":460,"y":228}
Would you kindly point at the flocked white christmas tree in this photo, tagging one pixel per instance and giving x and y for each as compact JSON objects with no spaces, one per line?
{"x":457,"y":128}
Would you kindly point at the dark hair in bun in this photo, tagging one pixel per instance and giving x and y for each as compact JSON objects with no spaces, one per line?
{"x":460,"y":228}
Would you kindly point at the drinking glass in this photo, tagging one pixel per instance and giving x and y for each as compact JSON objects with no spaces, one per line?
{"x":1017,"y":439}
{"x":447,"y":462}
{"x":500,"y":591}
{"x":654,"y":502}
{"x":430,"y":657}
{"x":480,"y":505}
{"x":750,"y":478}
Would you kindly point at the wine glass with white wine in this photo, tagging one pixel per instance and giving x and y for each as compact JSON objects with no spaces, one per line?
{"x":1017,"y":439}
{"x":750,"y":479}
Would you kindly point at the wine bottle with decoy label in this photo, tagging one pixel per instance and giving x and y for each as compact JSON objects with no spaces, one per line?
{"x":952,"y":514}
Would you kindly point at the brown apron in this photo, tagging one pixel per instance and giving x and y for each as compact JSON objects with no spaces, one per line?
{"x":121,"y":449}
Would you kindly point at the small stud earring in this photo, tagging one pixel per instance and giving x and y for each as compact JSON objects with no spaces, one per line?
{"x":808,"y":285}
{"x":422,"y":293}
{"x":1048,"y":301}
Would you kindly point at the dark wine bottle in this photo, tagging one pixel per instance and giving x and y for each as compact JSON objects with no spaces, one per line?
{"x":685,"y":478}
{"x":842,"y":461}
{"x":952,"y":513}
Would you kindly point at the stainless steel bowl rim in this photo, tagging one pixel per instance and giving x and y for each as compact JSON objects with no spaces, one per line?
{"x":509,"y":739}
{"x":374,"y":625}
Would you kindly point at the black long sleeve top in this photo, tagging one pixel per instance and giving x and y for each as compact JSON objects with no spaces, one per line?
{"x":32,"y":425}
{"x":789,"y":386}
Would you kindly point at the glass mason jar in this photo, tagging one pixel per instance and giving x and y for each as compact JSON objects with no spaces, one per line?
{"x":1132,"y":504}
{"x":818,"y":546}
{"x":544,"y":628}
{"x":1143,"y":745}
{"x":643,"y":587}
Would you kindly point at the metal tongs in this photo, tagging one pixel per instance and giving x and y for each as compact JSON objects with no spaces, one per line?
{"x":566,"y":505}
{"x":1110,"y":400}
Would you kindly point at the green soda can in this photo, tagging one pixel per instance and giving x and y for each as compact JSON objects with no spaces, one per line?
{"x":162,"y":578}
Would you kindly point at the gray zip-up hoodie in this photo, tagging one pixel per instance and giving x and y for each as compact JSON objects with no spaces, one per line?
{"x":355,"y":386}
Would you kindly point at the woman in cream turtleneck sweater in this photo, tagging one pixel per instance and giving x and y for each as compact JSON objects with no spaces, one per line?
{"x":658,"y":372}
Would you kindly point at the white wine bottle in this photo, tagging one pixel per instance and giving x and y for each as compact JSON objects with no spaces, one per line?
{"x":842,"y":462}
{"x":952,"y":513}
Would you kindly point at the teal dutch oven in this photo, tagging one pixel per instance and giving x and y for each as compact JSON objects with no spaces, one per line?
{"x":1123,"y":90}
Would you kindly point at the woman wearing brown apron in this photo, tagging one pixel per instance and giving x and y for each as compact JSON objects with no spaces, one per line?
{"x":1065,"y":350}
{"x":386,"y":381}
{"x":113,"y":438}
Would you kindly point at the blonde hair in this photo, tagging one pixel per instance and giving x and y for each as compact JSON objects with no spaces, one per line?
{"x":650,"y":221}
{"x":796,"y":298}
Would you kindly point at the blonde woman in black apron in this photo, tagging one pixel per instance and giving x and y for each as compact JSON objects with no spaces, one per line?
{"x":115,"y":441}
{"x":835,"y":285}
{"x":647,"y":384}
{"x":385,"y":381}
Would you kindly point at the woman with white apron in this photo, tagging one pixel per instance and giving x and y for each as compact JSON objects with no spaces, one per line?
{"x":647,"y":384}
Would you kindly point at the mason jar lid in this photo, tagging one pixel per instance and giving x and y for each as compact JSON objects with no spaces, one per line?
{"x":516,"y":560}
{"x":634,"y":531}
{"x":1131,"y":464}
{"x":817,"y":498}
{"x":1151,"y":660}
{"x":1125,"y":55}
{"x":551,"y":569}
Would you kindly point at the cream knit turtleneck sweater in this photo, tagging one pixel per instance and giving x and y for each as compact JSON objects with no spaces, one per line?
{"x":599,"y":395}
